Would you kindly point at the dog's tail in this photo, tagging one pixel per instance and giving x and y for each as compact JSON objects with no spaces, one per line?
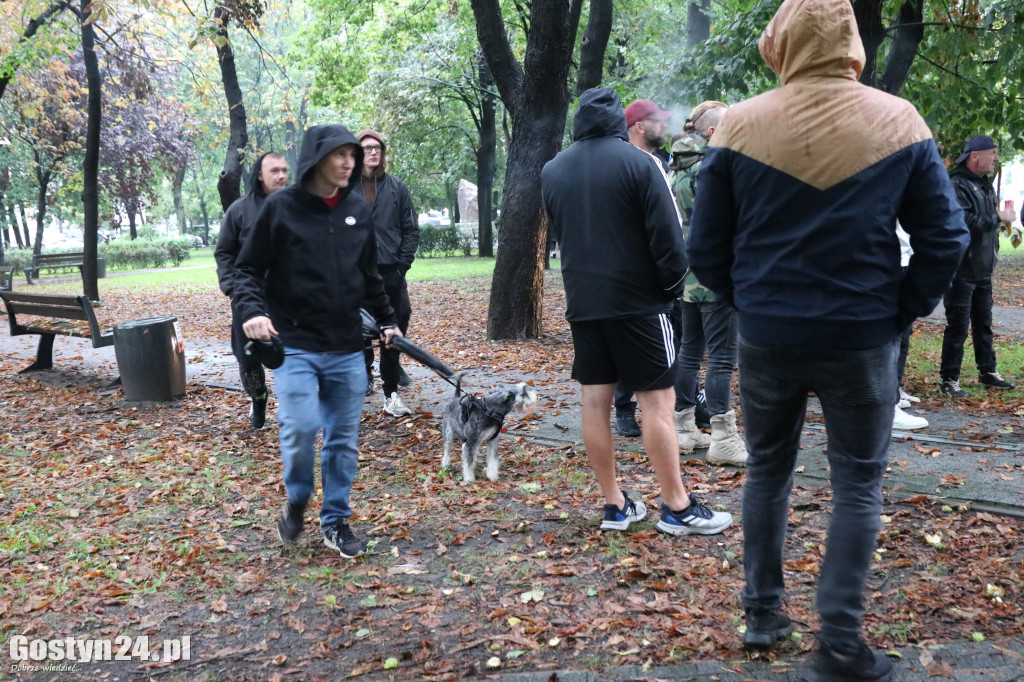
{"x":458,"y":384}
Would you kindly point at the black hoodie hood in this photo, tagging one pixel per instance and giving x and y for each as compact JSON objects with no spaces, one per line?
{"x":319,"y":141}
{"x":600,"y":115}
{"x":255,"y":186}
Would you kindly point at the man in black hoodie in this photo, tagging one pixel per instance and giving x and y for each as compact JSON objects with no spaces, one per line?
{"x":398,"y":235}
{"x":313,"y":247}
{"x":623,"y":262}
{"x":269,"y":174}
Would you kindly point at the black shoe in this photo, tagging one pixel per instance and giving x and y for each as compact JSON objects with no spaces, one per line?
{"x":993,"y":380}
{"x":859,"y":664}
{"x":951,"y":388}
{"x":625,"y":422}
{"x":765,"y":628}
{"x":369,"y":386}
{"x":258,"y":412}
{"x":403,"y":378}
{"x":289,"y":523}
{"x":701,"y":416}
{"x":340,"y":537}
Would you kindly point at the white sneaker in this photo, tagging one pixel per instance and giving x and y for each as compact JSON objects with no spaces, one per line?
{"x":902,"y":421}
{"x":726,"y":445}
{"x":688,"y":435}
{"x":907,"y":397}
{"x":394,"y":406}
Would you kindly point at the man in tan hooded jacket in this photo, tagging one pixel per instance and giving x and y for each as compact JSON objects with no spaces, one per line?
{"x":795,"y":224}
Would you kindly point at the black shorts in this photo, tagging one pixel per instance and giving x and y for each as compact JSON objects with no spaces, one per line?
{"x":638,"y":352}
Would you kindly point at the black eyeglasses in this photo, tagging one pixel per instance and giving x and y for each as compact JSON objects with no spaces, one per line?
{"x":371,"y":148}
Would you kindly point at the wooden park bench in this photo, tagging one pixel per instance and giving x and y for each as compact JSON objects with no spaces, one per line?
{"x":6,"y":277}
{"x":53,"y":261}
{"x":67,"y":315}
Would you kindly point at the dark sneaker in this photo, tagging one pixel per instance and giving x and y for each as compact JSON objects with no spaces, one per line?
{"x":258,"y":412}
{"x":289,"y":523}
{"x":619,"y":519}
{"x":700,"y":414}
{"x":341,"y":538}
{"x":993,"y":380}
{"x":951,"y":387}
{"x":860,"y":664}
{"x":765,"y":628}
{"x":403,"y":378}
{"x":369,"y":386}
{"x":696,"y":519}
{"x":625,"y":422}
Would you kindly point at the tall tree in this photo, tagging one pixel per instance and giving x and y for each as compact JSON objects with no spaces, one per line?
{"x":536,"y":95}
{"x":595,"y":42}
{"x":10,"y":62}
{"x":90,"y":164}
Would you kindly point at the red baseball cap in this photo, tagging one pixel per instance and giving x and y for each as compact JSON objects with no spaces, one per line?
{"x":645,"y":108}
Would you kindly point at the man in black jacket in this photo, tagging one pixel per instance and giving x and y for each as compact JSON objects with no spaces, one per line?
{"x":623,"y":263}
{"x":968,"y":301}
{"x":269,"y":174}
{"x":313,"y":247}
{"x":398,"y":235}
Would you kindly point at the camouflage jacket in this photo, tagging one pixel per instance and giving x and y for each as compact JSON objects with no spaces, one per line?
{"x":687,"y":153}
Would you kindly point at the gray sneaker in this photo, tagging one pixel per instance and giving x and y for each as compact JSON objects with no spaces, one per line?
{"x":697,"y":519}
{"x":341,"y":538}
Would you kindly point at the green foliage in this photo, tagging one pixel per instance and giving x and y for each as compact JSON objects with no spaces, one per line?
{"x":126,"y":254}
{"x":434,"y":241}
{"x":178,"y":250}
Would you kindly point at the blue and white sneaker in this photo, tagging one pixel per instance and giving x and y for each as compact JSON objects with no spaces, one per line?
{"x":619,"y":519}
{"x":696,"y":519}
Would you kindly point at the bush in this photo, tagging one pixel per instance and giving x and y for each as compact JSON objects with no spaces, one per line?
{"x":434,"y":241}
{"x":178,"y":250}
{"x":124,"y":254}
{"x":19,"y":258}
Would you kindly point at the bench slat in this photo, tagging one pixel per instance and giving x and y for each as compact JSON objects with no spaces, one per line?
{"x":45,"y":299}
{"x":42,"y":310}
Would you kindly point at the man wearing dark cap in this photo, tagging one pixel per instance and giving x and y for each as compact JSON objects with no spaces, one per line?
{"x":646,"y":125}
{"x":313,"y":247}
{"x":269,"y":174}
{"x":968,"y":301}
{"x":398,"y":235}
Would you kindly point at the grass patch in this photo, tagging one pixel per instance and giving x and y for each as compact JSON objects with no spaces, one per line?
{"x":926,"y":355}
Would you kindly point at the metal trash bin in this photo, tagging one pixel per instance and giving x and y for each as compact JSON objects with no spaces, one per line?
{"x":151,"y":358}
{"x":101,"y":268}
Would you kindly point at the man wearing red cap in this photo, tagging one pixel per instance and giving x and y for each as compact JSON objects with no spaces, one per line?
{"x":647,"y":125}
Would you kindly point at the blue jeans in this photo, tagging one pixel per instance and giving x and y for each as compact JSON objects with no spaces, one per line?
{"x":710,"y":325}
{"x":320,"y":391}
{"x":968,"y":304}
{"x":857,"y":392}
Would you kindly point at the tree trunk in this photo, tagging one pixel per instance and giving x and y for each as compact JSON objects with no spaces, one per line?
{"x":486,"y":162}
{"x":869,"y":23}
{"x":179,"y":205}
{"x":131,"y":224}
{"x":906,"y":39}
{"x":91,"y":163}
{"x":595,"y":42}
{"x":537,"y":98}
{"x":5,"y":238}
{"x":698,"y":22}
{"x":231,"y":175}
{"x":24,"y":225}
{"x":14,"y":225}
{"x":44,"y":183}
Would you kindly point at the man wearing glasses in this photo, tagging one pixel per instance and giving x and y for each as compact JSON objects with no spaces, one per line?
{"x":398,"y":235}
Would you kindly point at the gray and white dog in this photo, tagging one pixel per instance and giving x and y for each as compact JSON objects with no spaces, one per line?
{"x":477,"y":422}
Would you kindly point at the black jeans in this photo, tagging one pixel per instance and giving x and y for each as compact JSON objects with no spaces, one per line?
{"x":856,"y":390}
{"x":968,"y":304}
{"x":254,"y":378}
{"x":398,"y":296}
{"x":710,"y":325}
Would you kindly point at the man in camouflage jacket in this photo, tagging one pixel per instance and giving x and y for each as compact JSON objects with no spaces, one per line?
{"x":707,"y":324}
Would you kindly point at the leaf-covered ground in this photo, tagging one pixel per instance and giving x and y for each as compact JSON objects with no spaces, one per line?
{"x":125,"y":519}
